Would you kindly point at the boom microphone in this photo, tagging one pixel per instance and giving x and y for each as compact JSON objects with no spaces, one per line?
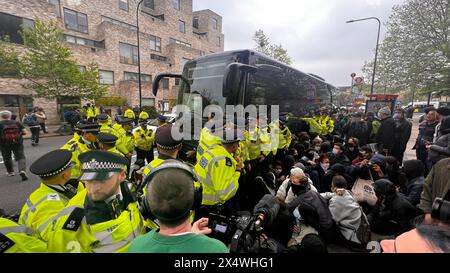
{"x":266,"y":210}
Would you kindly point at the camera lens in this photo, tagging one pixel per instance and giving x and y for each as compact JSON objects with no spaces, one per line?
{"x":441,"y":210}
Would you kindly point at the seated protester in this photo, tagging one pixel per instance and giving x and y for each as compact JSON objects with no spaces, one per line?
{"x":103,"y":218}
{"x":292,"y":186}
{"x":300,"y":150}
{"x":15,"y":238}
{"x":441,"y":148}
{"x":372,"y":169}
{"x":309,"y":159}
{"x":433,"y":237}
{"x":304,"y":194}
{"x":336,"y":169}
{"x":338,"y":156}
{"x":288,"y":163}
{"x":346,"y":212}
{"x":318,"y":172}
{"x":317,"y":142}
{"x":414,"y":171}
{"x":351,"y":149}
{"x":170,"y":197}
{"x":279,"y":174}
{"x":395,"y":175}
{"x":305,"y":238}
{"x":365,"y":152}
{"x":53,"y":194}
{"x":392,"y":214}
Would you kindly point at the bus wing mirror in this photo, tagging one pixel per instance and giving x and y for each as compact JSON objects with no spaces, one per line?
{"x":231,"y":76}
{"x":159,"y":77}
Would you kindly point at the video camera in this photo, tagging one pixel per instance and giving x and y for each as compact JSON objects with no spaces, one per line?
{"x":441,"y":210}
{"x":243,"y":230}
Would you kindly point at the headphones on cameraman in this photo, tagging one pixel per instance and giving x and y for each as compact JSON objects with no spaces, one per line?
{"x":144,"y":206}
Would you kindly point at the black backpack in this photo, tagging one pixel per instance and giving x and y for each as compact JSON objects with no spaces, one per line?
{"x":30,"y":120}
{"x":11,"y":134}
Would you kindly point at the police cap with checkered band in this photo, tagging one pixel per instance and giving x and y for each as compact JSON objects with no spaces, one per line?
{"x":100,"y":165}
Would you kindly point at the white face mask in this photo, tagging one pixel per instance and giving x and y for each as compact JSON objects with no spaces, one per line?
{"x":335,"y":151}
{"x":325,"y":166}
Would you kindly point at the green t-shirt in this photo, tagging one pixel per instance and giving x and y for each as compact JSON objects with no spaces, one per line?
{"x":153,"y":242}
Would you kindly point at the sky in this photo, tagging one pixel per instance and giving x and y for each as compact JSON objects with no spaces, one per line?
{"x":313,"y":31}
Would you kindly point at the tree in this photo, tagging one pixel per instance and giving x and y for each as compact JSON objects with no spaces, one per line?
{"x":415,"y":53}
{"x":47,"y":64}
{"x":276,"y":52}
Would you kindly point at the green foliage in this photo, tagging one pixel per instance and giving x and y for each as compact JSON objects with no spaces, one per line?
{"x":111,"y":101}
{"x":151,"y":111}
{"x":9,"y":60}
{"x":276,"y":52}
{"x":48,"y":65}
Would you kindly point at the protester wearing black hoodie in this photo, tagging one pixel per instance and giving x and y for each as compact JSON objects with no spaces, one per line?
{"x":441,"y":148}
{"x":392,"y":214}
{"x":414,"y":171}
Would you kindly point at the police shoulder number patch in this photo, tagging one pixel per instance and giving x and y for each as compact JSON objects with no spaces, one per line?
{"x":74,"y":221}
{"x":228,"y":162}
{"x":5,"y":243}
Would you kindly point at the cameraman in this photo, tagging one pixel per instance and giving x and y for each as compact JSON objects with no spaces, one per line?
{"x":170,"y":195}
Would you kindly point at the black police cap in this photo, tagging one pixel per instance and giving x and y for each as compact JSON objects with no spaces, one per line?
{"x":89,"y":127}
{"x":164,"y":138}
{"x":52,"y":163}
{"x":102,"y":117}
{"x":107,"y":138}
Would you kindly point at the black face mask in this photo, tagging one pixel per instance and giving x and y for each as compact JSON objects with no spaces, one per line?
{"x":297,"y":189}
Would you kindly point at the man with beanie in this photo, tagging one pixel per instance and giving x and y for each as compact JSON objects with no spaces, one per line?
{"x":386,"y":133}
{"x":170,"y":196}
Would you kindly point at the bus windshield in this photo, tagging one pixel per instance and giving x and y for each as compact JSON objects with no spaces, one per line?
{"x":206,"y":78}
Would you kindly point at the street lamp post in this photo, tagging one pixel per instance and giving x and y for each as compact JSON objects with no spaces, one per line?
{"x":139,"y":55}
{"x":376,"y":49}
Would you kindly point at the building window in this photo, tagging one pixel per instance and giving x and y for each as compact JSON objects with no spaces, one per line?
{"x":219,"y":42}
{"x":195,"y":22}
{"x":128,"y":54}
{"x":176,"y":4}
{"x":177,"y":82}
{"x":148,"y":102}
{"x":75,"y":20}
{"x":57,"y":5}
{"x":83,"y":41}
{"x":131,"y":76}
{"x":106,"y":77}
{"x":182,"y":26}
{"x":10,"y":27}
{"x":123,"y":5}
{"x":175,"y":41}
{"x":149,"y":4}
{"x":155,"y":43}
{"x":214,"y":23}
{"x":165,"y":83}
{"x":158,"y":58}
{"x":118,"y":23}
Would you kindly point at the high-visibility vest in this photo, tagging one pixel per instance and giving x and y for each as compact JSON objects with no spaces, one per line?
{"x":72,"y":234}
{"x":314,"y":127}
{"x":274,"y":136}
{"x":206,"y":142}
{"x":143,"y":139}
{"x":20,"y":239}
{"x":43,"y":204}
{"x":125,"y":143}
{"x":92,"y":112}
{"x":266,"y":140}
{"x":285,"y":137}
{"x":216,"y":171}
{"x":77,"y":146}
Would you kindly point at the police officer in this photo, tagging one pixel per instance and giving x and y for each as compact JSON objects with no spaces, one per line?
{"x":107,"y":142}
{"x":91,"y":112}
{"x":86,"y":142}
{"x":168,"y":147}
{"x":207,"y":139}
{"x":103,"y":218}
{"x":218,"y":172}
{"x":144,"y":139}
{"x":15,"y":238}
{"x":125,"y":143}
{"x":284,"y":137}
{"x":105,"y":122}
{"x":53,"y":194}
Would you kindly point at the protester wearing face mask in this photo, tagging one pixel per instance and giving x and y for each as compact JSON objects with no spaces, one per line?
{"x":294,"y":185}
{"x":320,"y":170}
{"x":364,"y":153}
{"x":402,"y":134}
{"x":352,"y":148}
{"x":317,"y":142}
{"x":338,"y":156}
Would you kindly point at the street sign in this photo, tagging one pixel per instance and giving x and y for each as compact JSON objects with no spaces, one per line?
{"x":359,"y":80}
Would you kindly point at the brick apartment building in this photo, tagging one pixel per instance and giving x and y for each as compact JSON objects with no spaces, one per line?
{"x":104,"y":32}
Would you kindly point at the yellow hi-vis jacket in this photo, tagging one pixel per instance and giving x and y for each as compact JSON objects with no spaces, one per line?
{"x":77,"y":146}
{"x":92,"y":112}
{"x":143,"y":139}
{"x":125,"y":143}
{"x":19,"y":239}
{"x":257,"y":138}
{"x":43,"y":204}
{"x":72,"y":234}
{"x":285,"y":138}
{"x":314,"y":127}
{"x":206,"y":142}
{"x":216,"y":171}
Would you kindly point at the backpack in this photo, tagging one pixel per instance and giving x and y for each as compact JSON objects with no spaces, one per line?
{"x":30,"y":120}
{"x":363,"y":233}
{"x":11,"y":134}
